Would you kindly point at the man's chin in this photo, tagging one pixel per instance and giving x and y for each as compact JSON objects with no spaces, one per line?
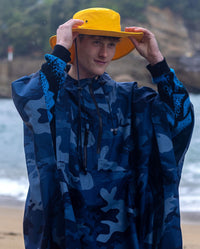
{"x":100,"y":71}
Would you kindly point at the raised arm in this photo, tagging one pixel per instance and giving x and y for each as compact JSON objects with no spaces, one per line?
{"x":171,"y":90}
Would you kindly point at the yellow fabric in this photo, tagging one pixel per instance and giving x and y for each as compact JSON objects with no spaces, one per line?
{"x":103,"y":22}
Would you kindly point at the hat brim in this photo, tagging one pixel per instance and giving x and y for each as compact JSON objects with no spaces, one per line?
{"x":123,"y":47}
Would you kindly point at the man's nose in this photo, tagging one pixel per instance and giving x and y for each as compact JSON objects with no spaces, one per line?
{"x":103,"y":51}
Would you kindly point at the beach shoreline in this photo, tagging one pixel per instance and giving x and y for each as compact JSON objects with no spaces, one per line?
{"x":11,"y":226}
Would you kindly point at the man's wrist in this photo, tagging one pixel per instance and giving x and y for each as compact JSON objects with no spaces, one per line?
{"x":156,"y":59}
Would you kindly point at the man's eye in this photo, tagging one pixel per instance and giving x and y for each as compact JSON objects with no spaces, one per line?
{"x":111,"y":44}
{"x":97,"y":42}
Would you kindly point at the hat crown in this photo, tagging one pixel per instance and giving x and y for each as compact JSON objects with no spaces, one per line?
{"x":99,"y":19}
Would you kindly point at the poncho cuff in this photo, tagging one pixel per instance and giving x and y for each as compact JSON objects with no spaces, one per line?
{"x":158,"y":69}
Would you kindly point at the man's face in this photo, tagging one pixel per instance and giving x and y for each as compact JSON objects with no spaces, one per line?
{"x":94,"y":54}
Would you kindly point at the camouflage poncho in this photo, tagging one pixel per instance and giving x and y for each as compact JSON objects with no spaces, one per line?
{"x":104,"y":160}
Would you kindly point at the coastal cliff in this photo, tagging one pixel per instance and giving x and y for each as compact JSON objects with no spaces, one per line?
{"x":179,"y":44}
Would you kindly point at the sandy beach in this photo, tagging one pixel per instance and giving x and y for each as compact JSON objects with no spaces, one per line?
{"x":11,"y":234}
{"x":11,"y":217}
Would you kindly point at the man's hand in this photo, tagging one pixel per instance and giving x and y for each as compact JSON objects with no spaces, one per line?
{"x":65,"y":36}
{"x":148,"y":46}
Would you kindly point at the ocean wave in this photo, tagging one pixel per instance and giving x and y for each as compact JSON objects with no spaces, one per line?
{"x":189,"y":203}
{"x":14,"y":188}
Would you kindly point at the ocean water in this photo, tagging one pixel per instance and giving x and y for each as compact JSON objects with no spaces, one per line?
{"x":13,"y":176}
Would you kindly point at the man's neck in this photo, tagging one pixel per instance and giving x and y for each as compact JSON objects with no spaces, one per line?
{"x":73,"y":74}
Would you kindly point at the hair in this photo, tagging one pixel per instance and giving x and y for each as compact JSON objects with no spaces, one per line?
{"x":111,"y":38}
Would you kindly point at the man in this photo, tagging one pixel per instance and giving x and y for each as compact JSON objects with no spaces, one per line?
{"x":104,"y":158}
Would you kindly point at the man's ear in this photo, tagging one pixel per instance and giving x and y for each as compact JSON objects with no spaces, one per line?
{"x":72,"y":51}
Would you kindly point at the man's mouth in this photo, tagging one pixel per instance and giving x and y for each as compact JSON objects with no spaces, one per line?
{"x":100,"y":62}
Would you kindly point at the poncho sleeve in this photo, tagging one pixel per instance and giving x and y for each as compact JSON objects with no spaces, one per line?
{"x":179,"y":109}
{"x":171,"y":119}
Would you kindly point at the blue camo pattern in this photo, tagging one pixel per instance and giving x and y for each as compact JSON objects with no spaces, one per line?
{"x":128,"y":198}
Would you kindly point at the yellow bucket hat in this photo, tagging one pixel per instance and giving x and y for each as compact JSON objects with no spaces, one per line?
{"x":103,"y":22}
